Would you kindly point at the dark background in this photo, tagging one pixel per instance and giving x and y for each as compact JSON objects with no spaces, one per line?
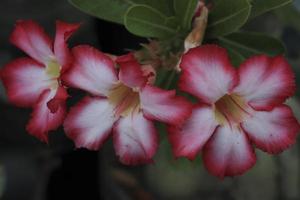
{"x":31,"y":170}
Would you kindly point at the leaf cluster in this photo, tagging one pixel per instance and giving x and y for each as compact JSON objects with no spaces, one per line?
{"x":165,"y":19}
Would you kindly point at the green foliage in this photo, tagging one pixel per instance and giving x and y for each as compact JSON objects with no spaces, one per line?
{"x":184,"y":11}
{"x":235,"y":57}
{"x":164,"y":18}
{"x":166,"y":79}
{"x":164,"y":6}
{"x":245,"y":44}
{"x":146,"y":21}
{"x":161,"y":76}
{"x":110,"y":10}
{"x":227,"y":17}
{"x":171,"y":20}
{"x":261,"y":6}
{"x":114,"y":10}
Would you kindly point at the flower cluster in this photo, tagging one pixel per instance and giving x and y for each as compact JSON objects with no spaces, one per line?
{"x":122,"y":99}
{"x":237,"y":109}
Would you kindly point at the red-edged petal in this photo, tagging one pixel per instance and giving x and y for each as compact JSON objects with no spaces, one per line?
{"x":163,"y":105}
{"x":272,"y":131}
{"x":91,"y":71}
{"x":188,"y":140}
{"x":135,"y":139}
{"x":33,"y":40}
{"x":131,"y":74}
{"x":89,"y":123}
{"x":42,"y":119}
{"x":228,"y":152}
{"x":125,"y":58}
{"x":61,"y":50}
{"x":24,"y":80}
{"x":265,"y":82}
{"x":207,"y":73}
{"x":148,"y":71}
{"x":59,"y":99}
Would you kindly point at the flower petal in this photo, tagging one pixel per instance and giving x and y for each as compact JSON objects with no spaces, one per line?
{"x":207,"y":73}
{"x":195,"y":132}
{"x":272,"y":131}
{"x":61,"y":50}
{"x":148,"y":71}
{"x":92,"y":71}
{"x":228,"y":152}
{"x":131,"y":74}
{"x":89,"y":123}
{"x":24,"y":80}
{"x":59,"y":99}
{"x":125,"y":58}
{"x":42,"y":119}
{"x":163,"y":105}
{"x":135,"y":139}
{"x":265,"y":82}
{"x":32,"y":39}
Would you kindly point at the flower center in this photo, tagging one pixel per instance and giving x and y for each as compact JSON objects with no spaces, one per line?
{"x":231,"y":109}
{"x":124,"y":99}
{"x":53,"y":71}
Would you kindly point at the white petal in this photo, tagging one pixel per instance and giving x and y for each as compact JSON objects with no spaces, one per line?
{"x":190,"y":138}
{"x":272,"y":131}
{"x":163,"y":105}
{"x":135,"y":139}
{"x":207,"y":73}
{"x":89,"y":123}
{"x":92,"y":71}
{"x":228,"y":152}
{"x":265,"y":82}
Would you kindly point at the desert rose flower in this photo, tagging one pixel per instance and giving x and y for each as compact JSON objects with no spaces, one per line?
{"x":122,"y":103}
{"x":35,"y":81}
{"x":237,"y":109}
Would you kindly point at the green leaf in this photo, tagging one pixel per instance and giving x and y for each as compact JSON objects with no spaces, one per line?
{"x":164,"y":6}
{"x":110,"y":10}
{"x":184,"y":11}
{"x":235,"y":57}
{"x":146,"y":21}
{"x":114,"y":10}
{"x":161,"y":76}
{"x":248,"y":44}
{"x":227,"y":17}
{"x":261,"y":6}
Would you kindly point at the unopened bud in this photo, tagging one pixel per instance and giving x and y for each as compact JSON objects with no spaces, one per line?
{"x":149,"y":72}
{"x":195,"y":37}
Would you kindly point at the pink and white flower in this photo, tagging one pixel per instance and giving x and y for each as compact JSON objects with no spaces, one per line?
{"x":238,"y":109}
{"x":122,"y":102}
{"x":35,"y":81}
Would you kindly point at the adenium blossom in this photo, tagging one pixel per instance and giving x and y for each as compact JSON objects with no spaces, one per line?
{"x":238,"y":108}
{"x":35,"y":81}
{"x":122,"y":103}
